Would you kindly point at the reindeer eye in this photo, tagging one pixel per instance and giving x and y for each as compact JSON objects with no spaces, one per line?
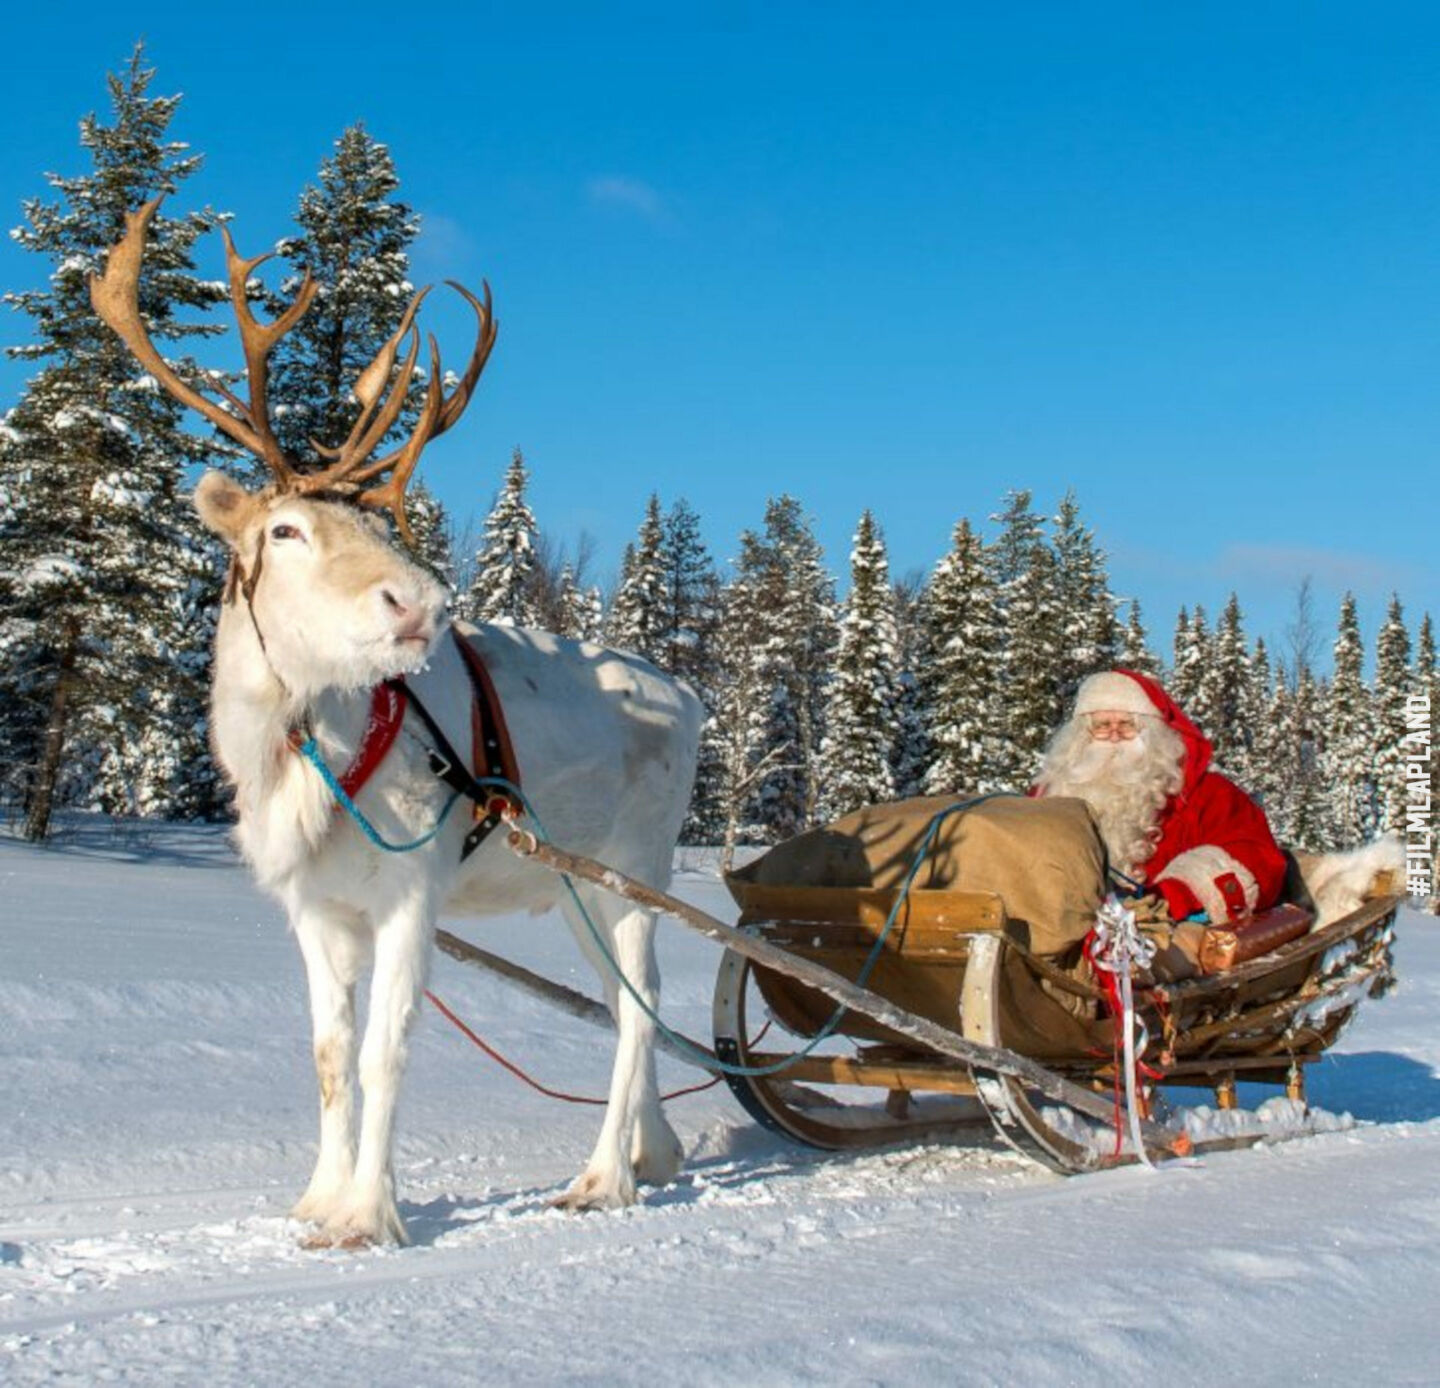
{"x":285,"y":532}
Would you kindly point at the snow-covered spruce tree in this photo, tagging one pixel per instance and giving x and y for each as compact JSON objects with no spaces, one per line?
{"x":110,"y":580}
{"x":797,"y":656}
{"x":1311,"y":826}
{"x":559,"y":599}
{"x":431,"y":530}
{"x":1089,"y":632}
{"x":1023,"y":569}
{"x":857,"y":750}
{"x":962,"y":654}
{"x":733,"y":754}
{"x":1350,"y":738}
{"x":637,"y":619}
{"x":1135,"y":653}
{"x":1393,"y":683}
{"x":500,"y":585}
{"x":1190,"y":658}
{"x":1266,"y":774}
{"x":354,"y":240}
{"x":913,"y":753}
{"x":783,"y":611}
{"x":691,"y":613}
{"x":691,"y":607}
{"x":1224,"y":686}
{"x":1273,"y":783}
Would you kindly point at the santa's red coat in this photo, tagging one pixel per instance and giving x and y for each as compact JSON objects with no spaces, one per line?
{"x":1215,"y":853}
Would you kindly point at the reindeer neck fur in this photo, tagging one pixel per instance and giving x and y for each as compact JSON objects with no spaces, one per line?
{"x":285,"y":810}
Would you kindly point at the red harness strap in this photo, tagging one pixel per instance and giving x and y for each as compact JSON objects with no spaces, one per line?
{"x":382,"y":727}
{"x":491,"y":755}
{"x":387,"y":713}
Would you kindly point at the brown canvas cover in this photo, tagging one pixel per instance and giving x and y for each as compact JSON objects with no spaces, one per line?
{"x":1044,"y":858}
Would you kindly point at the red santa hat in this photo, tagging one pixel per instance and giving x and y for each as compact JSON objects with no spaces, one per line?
{"x":1113,"y":691}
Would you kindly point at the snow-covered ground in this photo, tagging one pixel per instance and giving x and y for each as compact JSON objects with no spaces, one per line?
{"x":157,"y":1117}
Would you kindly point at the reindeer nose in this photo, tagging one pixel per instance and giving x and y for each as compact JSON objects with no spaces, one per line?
{"x":410,"y":618}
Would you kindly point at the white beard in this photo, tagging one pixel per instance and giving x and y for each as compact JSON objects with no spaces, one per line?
{"x":1126,"y":784}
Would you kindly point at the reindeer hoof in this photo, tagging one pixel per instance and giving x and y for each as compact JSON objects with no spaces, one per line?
{"x":658,"y":1155}
{"x":323,"y":1240}
{"x":355,"y":1230}
{"x":594,"y":1192}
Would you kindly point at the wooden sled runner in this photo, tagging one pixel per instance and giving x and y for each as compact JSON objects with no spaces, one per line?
{"x":961,"y":1027}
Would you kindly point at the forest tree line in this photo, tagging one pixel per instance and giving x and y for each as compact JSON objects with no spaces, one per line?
{"x":945,"y":683}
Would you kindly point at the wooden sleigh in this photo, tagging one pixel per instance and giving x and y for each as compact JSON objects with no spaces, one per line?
{"x":960,"y":1028}
{"x":952,"y":957}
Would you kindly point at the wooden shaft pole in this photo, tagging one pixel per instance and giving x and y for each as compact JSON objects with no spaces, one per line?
{"x":921,"y":1029}
{"x":557,"y":994}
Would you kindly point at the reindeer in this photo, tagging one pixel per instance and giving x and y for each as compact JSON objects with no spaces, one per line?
{"x":320,"y":610}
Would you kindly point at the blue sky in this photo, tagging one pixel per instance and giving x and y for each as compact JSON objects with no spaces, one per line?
{"x":1182,"y":259}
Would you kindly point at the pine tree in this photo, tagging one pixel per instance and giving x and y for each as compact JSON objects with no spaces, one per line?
{"x":962,"y":653}
{"x":1267,"y":775}
{"x":1191,"y":659}
{"x":733,"y":753}
{"x":500,"y":587}
{"x":1350,"y":737}
{"x":1310,"y":826}
{"x":1392,"y":685}
{"x":1135,"y":652}
{"x":691,"y":604}
{"x":1224,"y":686}
{"x":354,"y":240}
{"x":637,"y":620}
{"x":580,"y":611}
{"x":690,"y":621}
{"x":1089,"y":632}
{"x":913,"y":753}
{"x":773,"y":653}
{"x":856,"y":755}
{"x":109,"y":580}
{"x":430,"y":528}
{"x":795,"y":661}
{"x":1024,"y":573}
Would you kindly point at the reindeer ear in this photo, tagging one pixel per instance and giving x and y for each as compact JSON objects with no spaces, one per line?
{"x":224,"y":506}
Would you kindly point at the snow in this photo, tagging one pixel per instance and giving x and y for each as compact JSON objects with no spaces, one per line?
{"x":76,"y":416}
{"x":159,"y":1117}
{"x":48,"y":569}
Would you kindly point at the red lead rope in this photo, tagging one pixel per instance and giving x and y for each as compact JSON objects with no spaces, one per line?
{"x":535,"y":1084}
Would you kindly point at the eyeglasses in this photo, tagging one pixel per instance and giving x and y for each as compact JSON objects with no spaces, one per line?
{"x":1108,"y":726}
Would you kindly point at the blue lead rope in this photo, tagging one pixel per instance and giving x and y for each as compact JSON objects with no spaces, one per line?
{"x":311,"y":753}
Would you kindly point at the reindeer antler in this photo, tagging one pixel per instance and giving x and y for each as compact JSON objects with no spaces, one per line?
{"x":115,"y":296}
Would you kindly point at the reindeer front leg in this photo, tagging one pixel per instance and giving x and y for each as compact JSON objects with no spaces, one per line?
{"x":368,"y":1213}
{"x":333,"y":956}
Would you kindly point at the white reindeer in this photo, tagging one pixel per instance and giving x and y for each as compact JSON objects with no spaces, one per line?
{"x":319,"y":610}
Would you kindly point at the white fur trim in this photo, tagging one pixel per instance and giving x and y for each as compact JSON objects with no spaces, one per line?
{"x":1339,"y":882}
{"x":1112,"y":692}
{"x":1200,"y":869}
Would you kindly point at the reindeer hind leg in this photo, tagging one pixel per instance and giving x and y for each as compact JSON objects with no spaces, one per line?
{"x":636,"y":1141}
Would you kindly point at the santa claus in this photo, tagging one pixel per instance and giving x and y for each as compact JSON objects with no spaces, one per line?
{"x":1170,"y":823}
